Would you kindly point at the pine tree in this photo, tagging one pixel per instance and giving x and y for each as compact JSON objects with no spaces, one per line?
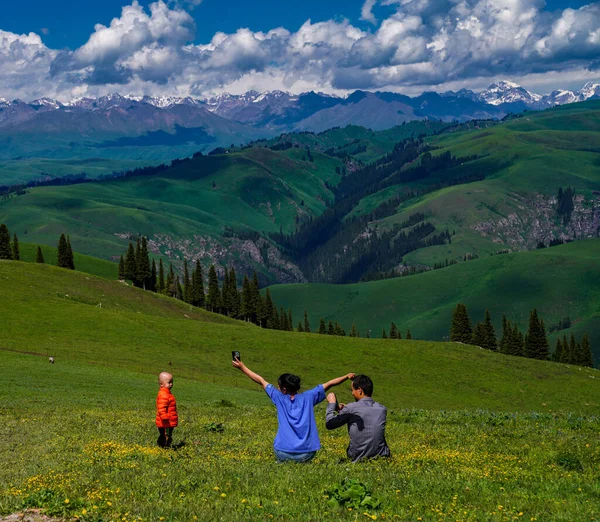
{"x":545,"y":345}
{"x":16,"y":255}
{"x":383,"y":334}
{"x":460,"y":330}
{"x":505,"y":335}
{"x":330,"y":330}
{"x":534,"y":342}
{"x":153,"y":277}
{"x":39,"y":257}
{"x":300,"y":328}
{"x":337,"y":329}
{"x":518,"y":342}
{"x":290,"y":320}
{"x":306,"y":323}
{"x":234,"y":296}
{"x":130,"y":268}
{"x":557,"y":354}
{"x":393,"y":331}
{"x":69,"y":256}
{"x":198,"y":297}
{"x":322,"y":327}
{"x":246,"y":298}
{"x":282,"y":319}
{"x":479,"y":335}
{"x":354,"y":331}
{"x":62,"y":254}
{"x":170,"y":282}
{"x":213,"y":299}
{"x":177,"y":288}
{"x":255,"y":298}
{"x":573,"y":355}
{"x":586,"y":352}
{"x":5,"y":250}
{"x":121,"y":268}
{"x":161,"y":277}
{"x":566,"y":352}
{"x":489,"y":333}
{"x":408,"y":335}
{"x":187,"y":282}
{"x":142,"y":264}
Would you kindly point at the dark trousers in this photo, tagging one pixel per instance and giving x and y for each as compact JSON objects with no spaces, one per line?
{"x":165,"y":437}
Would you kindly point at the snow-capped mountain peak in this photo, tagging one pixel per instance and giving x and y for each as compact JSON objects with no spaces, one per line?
{"x":507,"y":92}
{"x":47,"y":102}
{"x":590,"y":90}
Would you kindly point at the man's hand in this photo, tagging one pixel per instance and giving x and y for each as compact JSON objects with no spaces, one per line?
{"x":341,"y":406}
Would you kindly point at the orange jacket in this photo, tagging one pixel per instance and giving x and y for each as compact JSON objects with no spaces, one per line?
{"x":166,"y":409}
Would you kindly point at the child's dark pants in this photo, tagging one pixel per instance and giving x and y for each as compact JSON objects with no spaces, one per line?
{"x":165,"y":437}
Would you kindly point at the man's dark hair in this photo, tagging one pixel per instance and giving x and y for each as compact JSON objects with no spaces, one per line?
{"x":364,"y":383}
{"x":289,"y":382}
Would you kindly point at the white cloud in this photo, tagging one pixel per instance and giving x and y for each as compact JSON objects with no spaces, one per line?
{"x":424,"y":44}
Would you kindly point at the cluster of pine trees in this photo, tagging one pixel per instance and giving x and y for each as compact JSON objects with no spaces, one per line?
{"x":223,"y":298}
{"x":8,"y":249}
{"x":533,"y":344}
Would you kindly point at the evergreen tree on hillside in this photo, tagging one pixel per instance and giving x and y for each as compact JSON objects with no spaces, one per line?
{"x":39,"y":256}
{"x":170,"y":289}
{"x":322,"y":327}
{"x":300,"y":327}
{"x":121,"y":268}
{"x":505,"y":335}
{"x":187,"y":282}
{"x":5,"y":250}
{"x":161,"y":277}
{"x":236,"y":303}
{"x":153,"y":277}
{"x":290,"y":320}
{"x":198,"y":297}
{"x":354,"y":331}
{"x":460,"y":330}
{"x":383,"y":334}
{"x":70,"y":256}
{"x":306,"y":323}
{"x":130,"y":267}
{"x":282,"y":319}
{"x":16,"y":255}
{"x":213,"y":299}
{"x":479,"y":335}
{"x":545,"y":345}
{"x":256,"y":300}
{"x":177,"y":289}
{"x":393,"y":331}
{"x":330,"y":330}
{"x":268,"y":312}
{"x":534,"y":342}
{"x":557,"y":354}
{"x":142,"y":264}
{"x":586,"y":352}
{"x":566,"y":351}
{"x":517,"y":342}
{"x":489,"y":333}
{"x":246,"y":298}
{"x":408,"y":335}
{"x":62,"y":253}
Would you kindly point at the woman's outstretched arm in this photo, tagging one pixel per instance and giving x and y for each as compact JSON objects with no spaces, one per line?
{"x":338,"y":380}
{"x":252,"y":375}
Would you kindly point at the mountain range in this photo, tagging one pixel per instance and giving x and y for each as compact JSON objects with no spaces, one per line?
{"x":153,"y":129}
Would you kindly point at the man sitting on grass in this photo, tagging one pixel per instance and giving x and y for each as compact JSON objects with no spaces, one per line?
{"x":365,"y":418}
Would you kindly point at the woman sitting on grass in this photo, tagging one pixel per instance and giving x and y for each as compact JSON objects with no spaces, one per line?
{"x":297,"y":438}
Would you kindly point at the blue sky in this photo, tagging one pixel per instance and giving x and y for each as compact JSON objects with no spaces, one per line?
{"x":54,"y":48}
{"x":70,"y":22}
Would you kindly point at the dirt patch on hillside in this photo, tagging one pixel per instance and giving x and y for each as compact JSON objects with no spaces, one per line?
{"x":33,"y":515}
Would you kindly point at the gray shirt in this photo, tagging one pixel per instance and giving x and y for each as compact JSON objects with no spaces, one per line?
{"x":366,"y":426}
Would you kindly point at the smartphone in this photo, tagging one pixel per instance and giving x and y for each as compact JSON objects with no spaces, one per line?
{"x":236,"y":355}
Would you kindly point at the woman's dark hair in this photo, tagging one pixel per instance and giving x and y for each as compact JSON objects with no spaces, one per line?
{"x":290,"y":383}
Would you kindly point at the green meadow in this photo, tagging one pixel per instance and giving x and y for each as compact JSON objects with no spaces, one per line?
{"x":474,"y":435}
{"x":562,"y":281}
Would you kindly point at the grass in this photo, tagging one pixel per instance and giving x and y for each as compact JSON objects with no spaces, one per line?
{"x":79,"y":442}
{"x":560,"y":282}
{"x":474,"y":435}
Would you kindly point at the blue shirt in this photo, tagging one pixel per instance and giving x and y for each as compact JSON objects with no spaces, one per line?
{"x":297,"y":431}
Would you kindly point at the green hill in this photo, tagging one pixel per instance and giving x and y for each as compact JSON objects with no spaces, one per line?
{"x":499,"y":435}
{"x":562,"y":281}
{"x":80,"y":317}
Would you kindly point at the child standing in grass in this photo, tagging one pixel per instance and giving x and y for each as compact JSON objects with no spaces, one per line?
{"x":166,"y":410}
{"x":297,"y":437}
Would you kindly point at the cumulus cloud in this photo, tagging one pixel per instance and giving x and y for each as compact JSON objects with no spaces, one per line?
{"x":423,"y":44}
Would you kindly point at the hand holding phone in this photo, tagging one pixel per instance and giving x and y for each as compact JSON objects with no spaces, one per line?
{"x":236,"y":355}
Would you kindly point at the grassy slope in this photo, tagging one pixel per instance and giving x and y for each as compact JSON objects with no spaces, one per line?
{"x":79,"y":440}
{"x":537,"y":153}
{"x":83,"y":263}
{"x":254,"y":188}
{"x":559,"y":281}
{"x":52,"y":311}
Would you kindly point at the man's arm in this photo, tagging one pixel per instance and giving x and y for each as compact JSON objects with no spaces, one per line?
{"x":333,"y":420}
{"x":251,"y":375}
{"x":338,"y":380}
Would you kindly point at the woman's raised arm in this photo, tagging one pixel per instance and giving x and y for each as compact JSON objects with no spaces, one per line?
{"x":338,"y":380}
{"x":251,"y":375}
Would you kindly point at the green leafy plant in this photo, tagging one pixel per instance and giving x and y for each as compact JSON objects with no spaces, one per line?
{"x":215,"y":427}
{"x":351,"y":493}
